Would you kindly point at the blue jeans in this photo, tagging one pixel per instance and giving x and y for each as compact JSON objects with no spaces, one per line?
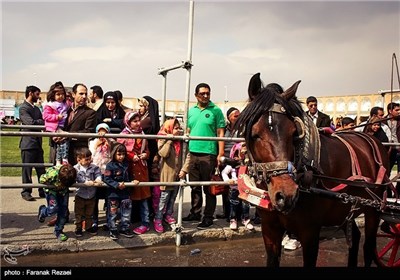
{"x":62,"y":150}
{"x":57,"y":204}
{"x":238,"y":205}
{"x":125,"y":207}
{"x":144,"y":212}
{"x":167,"y":203}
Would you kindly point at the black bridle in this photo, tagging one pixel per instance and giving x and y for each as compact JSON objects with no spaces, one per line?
{"x":263,"y":171}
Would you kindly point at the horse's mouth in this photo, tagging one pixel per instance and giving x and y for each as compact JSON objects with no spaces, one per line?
{"x":284,"y":203}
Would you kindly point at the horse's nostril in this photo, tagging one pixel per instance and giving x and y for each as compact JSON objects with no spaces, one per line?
{"x":279,"y":196}
{"x":280,"y":201}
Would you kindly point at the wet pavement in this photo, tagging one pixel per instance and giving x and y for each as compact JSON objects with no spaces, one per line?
{"x":248,"y":252}
{"x":232,"y":259}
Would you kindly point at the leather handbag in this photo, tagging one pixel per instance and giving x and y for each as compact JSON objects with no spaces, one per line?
{"x":218,"y":189}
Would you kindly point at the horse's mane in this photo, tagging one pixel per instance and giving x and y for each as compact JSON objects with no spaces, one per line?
{"x":259,"y":104}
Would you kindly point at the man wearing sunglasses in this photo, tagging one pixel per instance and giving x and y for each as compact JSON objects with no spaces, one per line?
{"x":320,"y":119}
{"x":204,"y":119}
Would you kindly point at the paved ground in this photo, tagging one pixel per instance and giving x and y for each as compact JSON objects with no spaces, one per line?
{"x":19,"y":227}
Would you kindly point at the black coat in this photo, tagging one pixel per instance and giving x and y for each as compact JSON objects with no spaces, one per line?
{"x":30,"y":115}
{"x":84,"y":121}
{"x":323,"y":120}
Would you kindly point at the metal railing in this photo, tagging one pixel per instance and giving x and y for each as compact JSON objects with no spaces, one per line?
{"x":185,"y":138}
{"x":181,"y":184}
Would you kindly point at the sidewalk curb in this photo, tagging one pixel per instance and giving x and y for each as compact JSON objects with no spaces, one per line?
{"x":103,"y":242}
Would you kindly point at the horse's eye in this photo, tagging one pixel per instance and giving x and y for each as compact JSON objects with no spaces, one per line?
{"x":255,"y":136}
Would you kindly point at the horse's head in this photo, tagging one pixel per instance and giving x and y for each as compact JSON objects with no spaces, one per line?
{"x":271,"y":125}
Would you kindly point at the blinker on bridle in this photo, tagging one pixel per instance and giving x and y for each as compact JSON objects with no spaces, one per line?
{"x":277,"y":108}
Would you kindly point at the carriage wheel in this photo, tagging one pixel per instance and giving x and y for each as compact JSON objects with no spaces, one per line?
{"x":387,"y":247}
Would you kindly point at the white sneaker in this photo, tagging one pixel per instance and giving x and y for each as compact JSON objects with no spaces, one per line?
{"x":247,"y":224}
{"x":292,"y":244}
{"x":285,"y":240}
{"x":233,"y":224}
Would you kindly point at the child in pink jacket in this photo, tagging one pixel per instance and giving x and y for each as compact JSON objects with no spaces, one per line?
{"x":55,"y":115}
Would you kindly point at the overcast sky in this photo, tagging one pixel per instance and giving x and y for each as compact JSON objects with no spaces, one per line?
{"x":335,"y":48}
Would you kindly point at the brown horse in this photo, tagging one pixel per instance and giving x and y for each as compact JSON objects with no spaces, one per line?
{"x":308,"y":174}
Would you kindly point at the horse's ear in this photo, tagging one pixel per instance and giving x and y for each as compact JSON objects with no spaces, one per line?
{"x":255,"y":85}
{"x":290,"y":92}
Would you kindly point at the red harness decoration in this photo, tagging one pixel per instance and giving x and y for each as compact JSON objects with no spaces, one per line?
{"x":356,"y":169}
{"x":248,"y":190}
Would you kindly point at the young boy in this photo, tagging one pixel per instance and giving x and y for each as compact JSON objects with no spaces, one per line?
{"x":115,"y":176}
{"x":85,"y":197}
{"x":61,"y":177}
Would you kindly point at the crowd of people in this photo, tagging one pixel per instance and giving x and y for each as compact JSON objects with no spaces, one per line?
{"x":119,"y":160}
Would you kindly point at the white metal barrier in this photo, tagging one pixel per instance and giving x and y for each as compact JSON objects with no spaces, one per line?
{"x":181,"y":184}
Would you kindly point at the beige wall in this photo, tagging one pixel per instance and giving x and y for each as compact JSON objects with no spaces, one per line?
{"x":354,"y":105}
{"x":334,"y":106}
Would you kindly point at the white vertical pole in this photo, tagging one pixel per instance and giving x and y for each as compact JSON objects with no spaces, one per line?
{"x":164,"y":96}
{"x":185,"y":117}
{"x":189,"y":59}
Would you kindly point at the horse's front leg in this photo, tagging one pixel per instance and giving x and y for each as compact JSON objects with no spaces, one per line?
{"x":274,"y":250}
{"x":309,"y":240}
{"x":272,"y":235}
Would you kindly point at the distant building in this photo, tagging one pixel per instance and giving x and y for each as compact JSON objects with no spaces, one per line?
{"x":7,"y":108}
{"x":354,"y":106}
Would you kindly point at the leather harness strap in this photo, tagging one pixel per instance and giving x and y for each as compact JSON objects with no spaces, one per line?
{"x":355,"y":165}
{"x":378,"y":159}
{"x":356,"y":170}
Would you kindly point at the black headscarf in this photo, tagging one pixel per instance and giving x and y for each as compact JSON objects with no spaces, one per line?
{"x":103,"y":113}
{"x":153,"y":129}
{"x":154,"y":115}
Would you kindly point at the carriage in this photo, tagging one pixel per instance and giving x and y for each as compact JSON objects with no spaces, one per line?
{"x":302,"y":179}
{"x":388,"y":254}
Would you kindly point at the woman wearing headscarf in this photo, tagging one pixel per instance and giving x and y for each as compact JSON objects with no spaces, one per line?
{"x":111,"y":113}
{"x":150,"y":122}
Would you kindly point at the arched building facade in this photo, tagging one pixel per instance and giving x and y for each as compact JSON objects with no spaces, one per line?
{"x":354,"y":106}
